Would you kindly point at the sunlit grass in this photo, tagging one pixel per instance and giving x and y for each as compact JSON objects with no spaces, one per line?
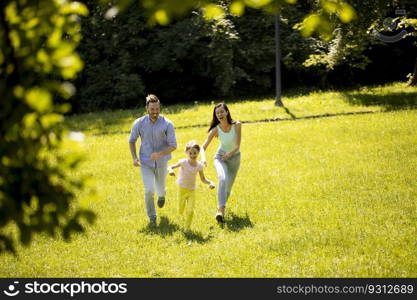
{"x":323,"y":197}
{"x":367,"y":99}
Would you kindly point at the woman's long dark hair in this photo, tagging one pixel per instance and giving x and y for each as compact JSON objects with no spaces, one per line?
{"x":215,"y":121}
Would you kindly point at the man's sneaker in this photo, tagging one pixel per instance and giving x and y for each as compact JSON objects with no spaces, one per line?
{"x":161,"y":202}
{"x":152,"y":222}
{"x":219,"y":218}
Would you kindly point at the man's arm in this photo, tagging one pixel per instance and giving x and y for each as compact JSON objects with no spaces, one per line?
{"x":132,"y":147}
{"x":158,"y":155}
{"x":134,"y":134}
{"x":172,"y":144}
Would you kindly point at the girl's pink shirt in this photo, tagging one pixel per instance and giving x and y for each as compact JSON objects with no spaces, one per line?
{"x":187,"y":174}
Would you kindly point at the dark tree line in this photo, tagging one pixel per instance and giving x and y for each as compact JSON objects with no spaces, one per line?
{"x":192,"y":59}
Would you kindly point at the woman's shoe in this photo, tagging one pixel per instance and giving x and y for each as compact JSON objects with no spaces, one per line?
{"x":161,"y":202}
{"x":219,"y":218}
{"x":152,"y":222}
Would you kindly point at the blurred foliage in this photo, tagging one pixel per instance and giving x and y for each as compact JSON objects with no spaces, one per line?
{"x":164,"y":11}
{"x":37,"y":53}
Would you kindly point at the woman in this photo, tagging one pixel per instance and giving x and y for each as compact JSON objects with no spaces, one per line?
{"x":227,"y":158}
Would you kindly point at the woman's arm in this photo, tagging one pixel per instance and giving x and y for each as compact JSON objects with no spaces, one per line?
{"x":237,"y":144}
{"x":207,"y":142}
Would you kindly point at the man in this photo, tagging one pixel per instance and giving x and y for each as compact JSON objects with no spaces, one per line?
{"x":158,"y":140}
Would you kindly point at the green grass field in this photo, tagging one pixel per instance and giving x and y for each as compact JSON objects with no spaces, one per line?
{"x":329,"y":196}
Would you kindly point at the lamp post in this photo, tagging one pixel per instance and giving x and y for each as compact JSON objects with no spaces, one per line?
{"x":278,"y":101}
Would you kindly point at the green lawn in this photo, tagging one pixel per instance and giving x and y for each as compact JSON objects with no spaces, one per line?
{"x":315,"y":197}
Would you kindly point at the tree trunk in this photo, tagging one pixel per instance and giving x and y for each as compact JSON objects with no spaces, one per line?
{"x":323,"y":84}
{"x":413,"y":80}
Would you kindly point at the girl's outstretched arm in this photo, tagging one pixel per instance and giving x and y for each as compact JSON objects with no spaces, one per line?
{"x":170,"y":169}
{"x":205,"y":180}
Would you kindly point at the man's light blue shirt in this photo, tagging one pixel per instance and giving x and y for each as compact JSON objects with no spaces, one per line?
{"x":155,"y":137}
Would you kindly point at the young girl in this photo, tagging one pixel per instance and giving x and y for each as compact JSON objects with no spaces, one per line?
{"x":189,"y":167}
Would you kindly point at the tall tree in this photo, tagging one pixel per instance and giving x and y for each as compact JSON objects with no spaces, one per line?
{"x":410,"y":24}
{"x":348,"y":42}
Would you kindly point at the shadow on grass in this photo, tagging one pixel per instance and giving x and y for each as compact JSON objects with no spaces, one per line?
{"x":237,"y":223}
{"x":392,"y":101}
{"x":105,"y":123}
{"x":164,"y":228}
{"x":168,"y":228}
{"x":197,"y":237}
